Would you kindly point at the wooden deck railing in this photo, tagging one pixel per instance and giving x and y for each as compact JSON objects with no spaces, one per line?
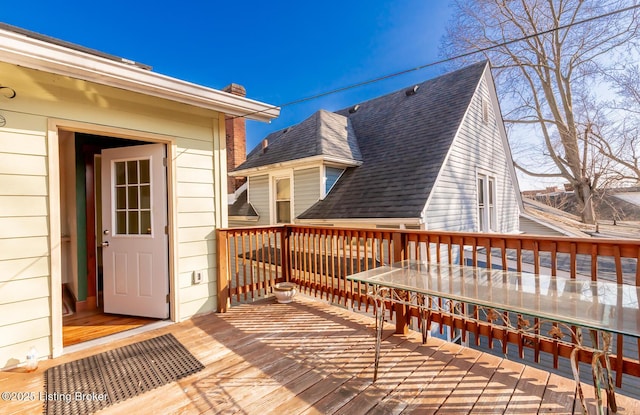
{"x":317,"y":259}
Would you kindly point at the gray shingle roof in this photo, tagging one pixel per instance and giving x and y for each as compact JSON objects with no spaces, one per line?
{"x":400,"y":139}
{"x":241,"y":207}
{"x":322,"y":134}
{"x":404,"y":140}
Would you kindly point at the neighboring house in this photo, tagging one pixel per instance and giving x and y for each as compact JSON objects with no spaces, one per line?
{"x":103,"y":158}
{"x":432,"y":156}
{"x":612,"y":204}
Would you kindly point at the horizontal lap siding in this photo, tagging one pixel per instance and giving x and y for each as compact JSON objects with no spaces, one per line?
{"x":24,"y":247}
{"x":25,"y":263}
{"x":306,"y":189}
{"x":453,"y":203}
{"x":531,"y":227}
{"x":259,"y":198}
{"x":196,"y":229}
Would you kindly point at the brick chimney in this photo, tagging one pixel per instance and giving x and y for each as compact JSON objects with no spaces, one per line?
{"x":236,"y":140}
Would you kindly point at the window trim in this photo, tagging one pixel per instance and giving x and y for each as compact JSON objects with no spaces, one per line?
{"x":487,"y":216}
{"x":274,"y":197}
{"x":323,"y":185}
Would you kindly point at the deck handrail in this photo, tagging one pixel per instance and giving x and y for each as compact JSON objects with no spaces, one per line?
{"x":317,"y":258}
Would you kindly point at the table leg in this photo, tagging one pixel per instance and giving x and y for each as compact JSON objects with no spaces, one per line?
{"x":379,"y":307}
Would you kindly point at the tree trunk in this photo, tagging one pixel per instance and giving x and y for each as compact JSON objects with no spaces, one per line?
{"x":584,"y":197}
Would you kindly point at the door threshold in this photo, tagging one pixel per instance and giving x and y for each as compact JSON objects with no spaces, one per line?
{"x":116,"y":336}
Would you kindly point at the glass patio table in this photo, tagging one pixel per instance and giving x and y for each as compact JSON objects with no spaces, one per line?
{"x":571,"y":304}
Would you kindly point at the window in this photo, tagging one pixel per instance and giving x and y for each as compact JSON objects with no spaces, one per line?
{"x":283,"y":200}
{"x":332,"y":175}
{"x":486,"y":203}
{"x":132,"y":197}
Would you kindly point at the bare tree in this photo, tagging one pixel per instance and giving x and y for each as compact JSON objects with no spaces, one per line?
{"x":549,"y":82}
{"x":620,"y":140}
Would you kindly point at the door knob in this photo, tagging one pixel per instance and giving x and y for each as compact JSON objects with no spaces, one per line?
{"x":105,"y":244}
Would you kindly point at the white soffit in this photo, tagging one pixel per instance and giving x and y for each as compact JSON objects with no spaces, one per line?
{"x":28,"y":52}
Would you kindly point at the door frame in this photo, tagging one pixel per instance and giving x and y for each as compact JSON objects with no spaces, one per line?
{"x":55,"y":236}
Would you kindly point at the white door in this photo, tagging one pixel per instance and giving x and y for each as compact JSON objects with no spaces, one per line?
{"x":134,"y":231}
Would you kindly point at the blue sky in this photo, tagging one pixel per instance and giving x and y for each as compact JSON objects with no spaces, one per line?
{"x":279,"y":51}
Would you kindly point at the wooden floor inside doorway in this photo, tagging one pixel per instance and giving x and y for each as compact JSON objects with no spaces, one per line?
{"x":89,"y":325}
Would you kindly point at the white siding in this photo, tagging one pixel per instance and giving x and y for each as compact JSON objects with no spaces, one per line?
{"x":195,"y":197}
{"x":26,"y":273}
{"x":24,"y":248}
{"x":477,"y":148}
{"x":306,"y":189}
{"x":531,"y":227}
{"x":259,"y":198}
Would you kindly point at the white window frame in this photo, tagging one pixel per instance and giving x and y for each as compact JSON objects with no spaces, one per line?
{"x":274,"y":197}
{"x":323,"y":185}
{"x":487,"y":211}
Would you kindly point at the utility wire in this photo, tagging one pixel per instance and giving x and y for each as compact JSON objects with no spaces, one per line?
{"x":441,"y":61}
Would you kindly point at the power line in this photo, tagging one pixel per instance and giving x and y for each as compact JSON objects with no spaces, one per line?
{"x":441,"y":61}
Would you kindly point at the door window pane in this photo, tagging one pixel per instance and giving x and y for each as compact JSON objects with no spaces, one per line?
{"x":121,"y":198}
{"x":132,"y":172}
{"x":132,"y":197}
{"x":132,"y":223}
{"x":121,"y":223}
{"x":145,"y":222}
{"x":120,"y":176}
{"x":144,"y":171}
{"x":145,"y":197}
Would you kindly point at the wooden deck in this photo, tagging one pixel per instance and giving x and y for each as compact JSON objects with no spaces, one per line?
{"x":308,"y":357}
{"x":94,"y":324}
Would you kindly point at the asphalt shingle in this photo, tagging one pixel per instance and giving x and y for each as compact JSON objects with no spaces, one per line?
{"x":400,"y":139}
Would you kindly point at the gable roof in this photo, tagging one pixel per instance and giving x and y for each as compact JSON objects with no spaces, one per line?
{"x":324,"y":134}
{"x":404,"y":139}
{"x":397,"y":144}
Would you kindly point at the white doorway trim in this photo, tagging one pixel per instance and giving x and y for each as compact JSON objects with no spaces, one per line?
{"x":55,"y":236}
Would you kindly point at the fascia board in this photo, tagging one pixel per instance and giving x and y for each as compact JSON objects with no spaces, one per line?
{"x":295,"y":163}
{"x":36,"y":54}
{"x":379,"y":221}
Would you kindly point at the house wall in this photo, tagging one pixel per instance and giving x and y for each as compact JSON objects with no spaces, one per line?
{"x":531,"y":227}
{"x":478,"y":147}
{"x":306,"y":189}
{"x":29,"y":281}
{"x":306,"y":184}
{"x":259,"y":198}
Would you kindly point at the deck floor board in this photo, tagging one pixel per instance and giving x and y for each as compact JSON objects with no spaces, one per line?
{"x":309,"y":357}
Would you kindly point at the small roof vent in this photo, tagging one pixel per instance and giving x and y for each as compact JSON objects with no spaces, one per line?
{"x":354,"y":109}
{"x":265,"y":145}
{"x":412,"y":91}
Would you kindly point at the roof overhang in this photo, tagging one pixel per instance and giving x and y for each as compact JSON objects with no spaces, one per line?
{"x":22,"y":50}
{"x":378,"y":221}
{"x":296,"y":163}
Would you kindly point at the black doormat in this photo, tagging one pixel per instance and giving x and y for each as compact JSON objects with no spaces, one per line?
{"x":87,"y":385}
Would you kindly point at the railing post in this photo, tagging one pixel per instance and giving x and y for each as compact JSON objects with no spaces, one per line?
{"x":285,"y":253}
{"x":402,"y":311}
{"x":222,"y":240}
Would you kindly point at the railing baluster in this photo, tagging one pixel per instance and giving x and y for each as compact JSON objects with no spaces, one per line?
{"x":319,"y":258}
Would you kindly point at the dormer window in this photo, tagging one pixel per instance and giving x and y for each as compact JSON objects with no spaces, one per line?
{"x":331,"y":176}
{"x":283,"y":200}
